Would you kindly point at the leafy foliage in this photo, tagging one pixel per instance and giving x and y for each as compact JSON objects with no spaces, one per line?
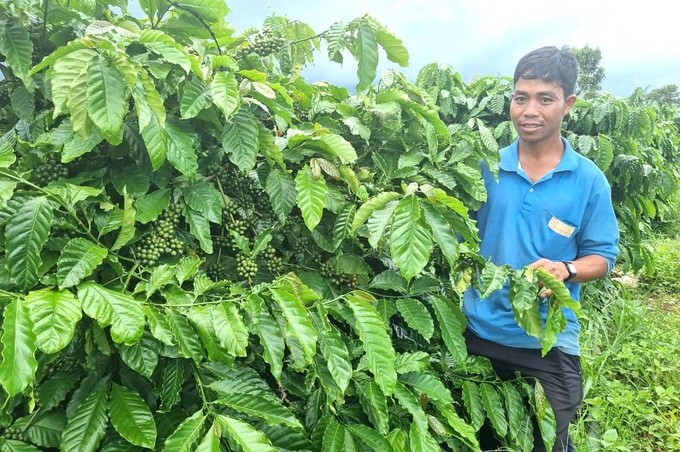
{"x":262,"y":263}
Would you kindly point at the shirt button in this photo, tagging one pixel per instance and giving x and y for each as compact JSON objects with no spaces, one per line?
{"x":531,"y":190}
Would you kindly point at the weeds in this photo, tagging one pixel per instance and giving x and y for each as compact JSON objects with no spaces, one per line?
{"x":631,"y":368}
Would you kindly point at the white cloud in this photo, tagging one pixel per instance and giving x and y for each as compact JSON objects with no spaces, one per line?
{"x":638,"y":42}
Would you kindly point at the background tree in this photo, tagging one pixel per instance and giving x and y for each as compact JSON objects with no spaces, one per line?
{"x":666,"y":95}
{"x":591,"y":74}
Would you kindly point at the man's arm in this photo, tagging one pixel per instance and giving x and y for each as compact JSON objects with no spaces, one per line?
{"x":588,"y":268}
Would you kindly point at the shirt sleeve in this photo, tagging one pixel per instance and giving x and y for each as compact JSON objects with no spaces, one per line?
{"x":599,"y":233}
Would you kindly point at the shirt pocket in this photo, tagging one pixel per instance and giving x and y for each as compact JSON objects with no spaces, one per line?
{"x":557,"y":236}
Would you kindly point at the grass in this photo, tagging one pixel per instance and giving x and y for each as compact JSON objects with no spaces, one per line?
{"x":631,"y":361}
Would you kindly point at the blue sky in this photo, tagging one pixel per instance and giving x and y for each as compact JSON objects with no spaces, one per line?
{"x":639,"y":42}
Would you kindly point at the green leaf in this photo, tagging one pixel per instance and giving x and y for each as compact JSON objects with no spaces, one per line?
{"x":376,"y":203}
{"x":156,"y":140}
{"x":250,"y":439}
{"x":180,"y":145}
{"x":77,"y":102}
{"x":465,"y":432}
{"x":53,"y":391}
{"x":208,"y":10}
{"x":410,"y":243}
{"x":412,"y":362}
{"x":525,"y":302}
{"x":366,"y":55}
{"x":374,"y":404}
{"x":334,"y":438}
{"x":18,"y":365}
{"x":428,"y":384}
{"x":55,"y":314}
{"x":206,"y":199}
{"x":199,"y":226}
{"x":160,"y":276}
{"x":334,"y":352}
{"x":269,"y":333}
{"x":142,"y":356}
{"x":472,"y":400}
{"x":240,"y":140}
{"x":493,"y":278}
{"x":410,"y":403}
{"x":187,"y":268}
{"x":494,"y":408}
{"x":442,"y":232}
{"x":16,"y":46}
{"x":184,"y":335}
{"x":280,"y":188}
{"x":158,"y":325}
{"x":339,"y":147}
{"x":195,"y":97}
{"x":186,"y":434}
{"x":78,"y":260}
{"x":544,"y":415}
{"x":450,"y":328}
{"x":131,"y":417}
{"x":605,"y":152}
{"x":519,"y":421}
{"x":7,"y":188}
{"x":264,"y":407}
{"x":45,"y":429}
{"x":230,"y":328}
{"x":297,"y":316}
{"x":224,"y":92}
{"x":86,"y":427}
{"x":421,"y":440}
{"x":311,"y":196}
{"x":109,"y":307}
{"x":78,"y":145}
{"x":25,"y":234}
{"x":378,"y":222}
{"x":162,"y":44}
{"x":370,"y":437}
{"x":375,"y":340}
{"x":127,"y":228}
{"x":149,"y":206}
{"x":211,"y":440}
{"x":416,"y":316}
{"x":173,"y":376}
{"x":335,"y":41}
{"x":392,"y":45}
{"x":106,"y":99}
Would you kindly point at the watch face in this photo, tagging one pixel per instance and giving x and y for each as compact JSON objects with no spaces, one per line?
{"x":571,"y":268}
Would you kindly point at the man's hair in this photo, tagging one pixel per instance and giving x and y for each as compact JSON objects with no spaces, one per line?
{"x":551,"y":65}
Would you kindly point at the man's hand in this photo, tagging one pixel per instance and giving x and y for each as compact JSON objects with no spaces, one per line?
{"x":555,"y":268}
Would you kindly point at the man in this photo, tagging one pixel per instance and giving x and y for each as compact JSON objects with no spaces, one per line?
{"x":550,"y":208}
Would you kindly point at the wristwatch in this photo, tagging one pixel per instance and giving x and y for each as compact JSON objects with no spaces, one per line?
{"x":571,"y":269}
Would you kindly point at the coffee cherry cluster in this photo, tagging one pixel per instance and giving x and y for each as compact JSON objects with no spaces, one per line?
{"x":217,"y":271}
{"x":49,"y":171}
{"x":273,"y":262}
{"x":246,"y":267}
{"x":328,"y":270}
{"x":264,"y":43}
{"x":162,"y":239}
{"x":15,"y":433}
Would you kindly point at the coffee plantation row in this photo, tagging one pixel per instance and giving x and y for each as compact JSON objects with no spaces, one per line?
{"x":202,"y":250}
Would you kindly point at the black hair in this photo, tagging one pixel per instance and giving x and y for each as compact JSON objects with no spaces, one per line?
{"x":551,"y":65}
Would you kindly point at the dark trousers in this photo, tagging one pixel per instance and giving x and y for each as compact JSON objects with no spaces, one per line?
{"x":559,"y":373}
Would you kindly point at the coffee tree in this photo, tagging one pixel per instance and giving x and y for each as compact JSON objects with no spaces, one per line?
{"x":202,"y":250}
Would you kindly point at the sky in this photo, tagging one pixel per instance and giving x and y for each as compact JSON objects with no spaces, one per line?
{"x":639,"y":42}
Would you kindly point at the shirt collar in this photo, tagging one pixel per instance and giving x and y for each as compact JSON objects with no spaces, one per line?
{"x":510,"y":159}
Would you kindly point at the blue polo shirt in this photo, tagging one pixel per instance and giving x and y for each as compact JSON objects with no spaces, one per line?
{"x":565,"y":215}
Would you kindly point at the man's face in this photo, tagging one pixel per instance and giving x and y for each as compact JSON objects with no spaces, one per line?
{"x":537,"y":110}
